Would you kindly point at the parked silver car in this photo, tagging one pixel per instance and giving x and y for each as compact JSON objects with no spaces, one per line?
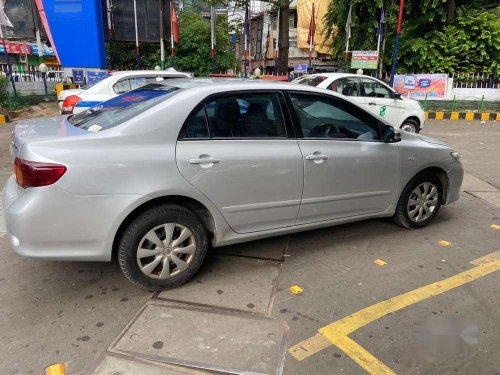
{"x":157,"y":174}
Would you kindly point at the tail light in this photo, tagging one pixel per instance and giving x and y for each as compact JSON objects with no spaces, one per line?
{"x":69,"y":103}
{"x":33,"y":174}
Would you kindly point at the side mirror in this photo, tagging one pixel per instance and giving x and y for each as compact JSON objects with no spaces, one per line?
{"x":397,"y":95}
{"x":391,"y":135}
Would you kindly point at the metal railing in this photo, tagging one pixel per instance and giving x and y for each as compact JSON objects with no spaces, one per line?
{"x":32,"y":74}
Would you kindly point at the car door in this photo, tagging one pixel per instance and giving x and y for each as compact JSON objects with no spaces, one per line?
{"x":348,"y":170}
{"x":238,"y":150}
{"x":381,"y":101}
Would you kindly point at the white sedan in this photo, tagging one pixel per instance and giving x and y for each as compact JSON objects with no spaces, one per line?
{"x":116,"y":83}
{"x":374,"y":95}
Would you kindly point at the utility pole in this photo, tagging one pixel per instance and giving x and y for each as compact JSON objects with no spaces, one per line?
{"x":109,"y":13}
{"x":162,"y":34}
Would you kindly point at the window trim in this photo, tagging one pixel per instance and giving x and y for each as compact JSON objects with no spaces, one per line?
{"x":298,"y":130}
{"x":289,"y":129}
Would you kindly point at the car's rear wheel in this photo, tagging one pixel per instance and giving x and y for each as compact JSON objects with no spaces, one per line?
{"x":420,"y":201}
{"x":163,"y":247}
{"x":411,"y":126}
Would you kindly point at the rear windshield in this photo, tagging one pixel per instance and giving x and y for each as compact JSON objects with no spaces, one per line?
{"x":311,"y":80}
{"x":122,"y":108}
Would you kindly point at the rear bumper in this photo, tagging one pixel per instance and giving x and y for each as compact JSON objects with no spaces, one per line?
{"x":50,"y":223}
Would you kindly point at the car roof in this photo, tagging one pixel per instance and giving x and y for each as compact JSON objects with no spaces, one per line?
{"x":209,"y":86}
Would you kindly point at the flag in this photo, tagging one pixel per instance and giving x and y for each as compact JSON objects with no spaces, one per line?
{"x":312,"y":28}
{"x":381,"y":23}
{"x":174,"y":25}
{"x":348,"y":24}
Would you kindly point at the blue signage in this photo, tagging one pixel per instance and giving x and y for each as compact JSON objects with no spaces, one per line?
{"x":300,"y":68}
{"x":95,"y":75}
{"x":76,"y":28}
{"x":424,"y":82}
{"x":78,"y":77}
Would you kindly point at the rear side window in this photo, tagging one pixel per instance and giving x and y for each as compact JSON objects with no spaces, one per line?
{"x":311,"y":80}
{"x":345,"y":86}
{"x":238,"y":116}
{"x":122,"y":108}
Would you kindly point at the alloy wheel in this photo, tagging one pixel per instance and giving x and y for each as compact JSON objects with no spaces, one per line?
{"x":409,"y":127}
{"x":166,"y":250}
{"x":423,"y":202}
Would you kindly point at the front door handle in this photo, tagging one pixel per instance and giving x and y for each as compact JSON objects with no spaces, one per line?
{"x":317,"y":157}
{"x":372,"y":103}
{"x":204,"y":159}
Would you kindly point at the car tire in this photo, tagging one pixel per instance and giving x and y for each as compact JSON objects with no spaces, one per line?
{"x":155,"y":240}
{"x":411,"y":126}
{"x":419,"y":202}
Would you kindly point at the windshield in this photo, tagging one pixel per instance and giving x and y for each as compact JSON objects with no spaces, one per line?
{"x":122,"y":108}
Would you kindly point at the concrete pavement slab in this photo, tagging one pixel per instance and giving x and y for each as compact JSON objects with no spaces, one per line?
{"x":206,"y":339}
{"x":230,"y":282}
{"x":269,"y":248}
{"x":492,"y":197}
{"x":114,"y":364}
{"x":472,"y":183}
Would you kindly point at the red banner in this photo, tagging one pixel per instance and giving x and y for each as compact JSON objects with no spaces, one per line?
{"x":18,"y":48}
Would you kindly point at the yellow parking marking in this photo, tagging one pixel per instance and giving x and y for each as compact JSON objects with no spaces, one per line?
{"x":379,"y":262}
{"x":3,"y":120}
{"x":469,"y":116}
{"x":296,"y":289}
{"x":444,"y":243}
{"x":494,"y":226}
{"x":337,"y":332}
{"x":454,"y":115}
{"x":439,"y":115}
{"x":57,"y":369}
{"x":498,"y":117}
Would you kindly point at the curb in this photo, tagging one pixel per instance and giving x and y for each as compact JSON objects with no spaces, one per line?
{"x":441,"y":115}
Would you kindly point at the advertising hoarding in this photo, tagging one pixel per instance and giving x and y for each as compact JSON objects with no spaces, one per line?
{"x":419,"y":86}
{"x":364,"y":60}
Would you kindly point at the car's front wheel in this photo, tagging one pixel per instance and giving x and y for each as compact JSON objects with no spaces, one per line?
{"x":411,"y":126}
{"x":420,"y":201}
{"x":163,"y":247}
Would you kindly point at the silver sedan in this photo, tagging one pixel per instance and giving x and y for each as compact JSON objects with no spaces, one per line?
{"x":157,"y":174}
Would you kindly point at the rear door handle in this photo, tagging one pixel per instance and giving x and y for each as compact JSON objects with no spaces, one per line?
{"x":372,"y":103}
{"x":205,"y":160}
{"x":317,"y":157}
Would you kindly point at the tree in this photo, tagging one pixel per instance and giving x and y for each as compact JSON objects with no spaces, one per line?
{"x":421,"y":21}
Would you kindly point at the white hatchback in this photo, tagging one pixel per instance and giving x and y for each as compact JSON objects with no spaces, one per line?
{"x":116,"y":83}
{"x":374,"y":95}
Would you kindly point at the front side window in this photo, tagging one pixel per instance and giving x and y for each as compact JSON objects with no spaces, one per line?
{"x":322,"y":117}
{"x":345,"y":86}
{"x":374,"y":89}
{"x":122,"y":108}
{"x":246,"y":116}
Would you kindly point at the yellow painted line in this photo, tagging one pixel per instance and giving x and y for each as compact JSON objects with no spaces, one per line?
{"x":494,"y":226}
{"x":454,"y":116}
{"x":337,"y":332}
{"x":485,"y":116}
{"x":379,"y":262}
{"x":444,"y":243}
{"x":492,"y":257}
{"x":498,"y":116}
{"x":439,"y":115}
{"x":3,"y":120}
{"x":57,"y":369}
{"x":426,"y":115}
{"x":469,"y":116}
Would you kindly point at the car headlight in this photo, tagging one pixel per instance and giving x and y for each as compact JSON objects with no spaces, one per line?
{"x":455,"y":155}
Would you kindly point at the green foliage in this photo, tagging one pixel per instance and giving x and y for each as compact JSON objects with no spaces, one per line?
{"x":192,"y":52}
{"x":430,"y":40}
{"x":470,"y":44}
